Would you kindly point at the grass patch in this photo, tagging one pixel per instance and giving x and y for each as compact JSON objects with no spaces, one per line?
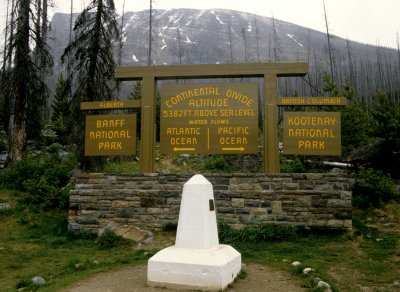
{"x":347,"y":261}
{"x":38,"y":244}
{"x":122,"y":167}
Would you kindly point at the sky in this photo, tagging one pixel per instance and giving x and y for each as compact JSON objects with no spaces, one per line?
{"x":375,"y":22}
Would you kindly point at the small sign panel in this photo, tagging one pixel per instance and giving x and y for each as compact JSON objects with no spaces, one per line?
{"x":209,"y":118}
{"x":312,"y":133}
{"x":312,"y":101}
{"x":110,"y":135}
{"x":114,"y":104}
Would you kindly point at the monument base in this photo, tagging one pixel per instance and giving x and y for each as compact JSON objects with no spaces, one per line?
{"x":211,"y":269}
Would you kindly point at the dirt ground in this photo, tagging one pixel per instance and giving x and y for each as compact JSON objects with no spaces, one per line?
{"x":133,"y":279}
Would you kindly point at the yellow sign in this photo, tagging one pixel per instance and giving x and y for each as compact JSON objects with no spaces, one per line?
{"x":112,"y":104}
{"x":312,"y":133}
{"x":209,"y":118}
{"x":110,"y":135}
{"x":312,"y":101}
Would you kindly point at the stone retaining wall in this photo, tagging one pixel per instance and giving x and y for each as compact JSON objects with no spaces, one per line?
{"x":152,"y":200}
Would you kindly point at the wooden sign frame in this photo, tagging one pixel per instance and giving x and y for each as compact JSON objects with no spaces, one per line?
{"x":268,"y":71}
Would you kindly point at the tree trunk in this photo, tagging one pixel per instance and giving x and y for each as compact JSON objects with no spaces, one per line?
{"x":329,"y":42}
{"x":21,"y":92}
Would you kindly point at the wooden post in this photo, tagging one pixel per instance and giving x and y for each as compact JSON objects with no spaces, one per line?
{"x":271,"y":143}
{"x":148,"y":130}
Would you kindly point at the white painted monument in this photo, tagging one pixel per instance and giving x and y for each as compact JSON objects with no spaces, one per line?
{"x":197,"y":260}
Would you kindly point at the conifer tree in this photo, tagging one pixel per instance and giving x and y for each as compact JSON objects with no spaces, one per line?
{"x":23,"y":86}
{"x":61,"y":113}
{"x":92,"y":74}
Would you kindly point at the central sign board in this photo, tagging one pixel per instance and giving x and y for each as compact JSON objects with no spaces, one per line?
{"x":110,"y":135}
{"x":209,"y":118}
{"x":311,"y":133}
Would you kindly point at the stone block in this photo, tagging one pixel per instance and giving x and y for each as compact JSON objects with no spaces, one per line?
{"x":306,"y":185}
{"x":87,"y":221}
{"x":258,"y":211}
{"x":225,"y":210}
{"x":247,"y":219}
{"x":174,"y":209}
{"x":146,"y":202}
{"x":338,"y":186}
{"x":265,"y":185}
{"x":345,"y":195}
{"x":265,"y":203}
{"x":348,"y":223}
{"x":252,"y":203}
{"x":237,"y":202}
{"x":147,"y":218}
{"x":299,"y":176}
{"x":323,"y":187}
{"x":139,"y":211}
{"x":169,"y":194}
{"x":335,"y":223}
{"x":119,"y":204}
{"x":290,"y":186}
{"x":173,"y":201}
{"x":82,"y":199}
{"x":336,"y":203}
{"x":155,"y":211}
{"x":242,"y":211}
{"x":276,"y":207}
{"x":317,"y":202}
{"x":124,"y":212}
{"x":276,"y":186}
{"x":304,"y":201}
{"x":223,"y":203}
{"x":343,"y":214}
{"x":315,"y":176}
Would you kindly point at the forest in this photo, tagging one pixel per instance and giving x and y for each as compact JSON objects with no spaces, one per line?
{"x":42,"y":139}
{"x":31,"y":105}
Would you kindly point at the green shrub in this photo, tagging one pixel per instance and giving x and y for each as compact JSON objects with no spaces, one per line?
{"x":372,"y":188}
{"x":293,"y":166}
{"x":109,"y":239}
{"x":81,"y":235}
{"x":234,"y":163}
{"x":218,"y":163}
{"x":170,"y":227}
{"x":260,"y":232}
{"x":43,"y":178}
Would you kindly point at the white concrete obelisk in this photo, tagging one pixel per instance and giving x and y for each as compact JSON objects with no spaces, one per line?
{"x":197,"y":260}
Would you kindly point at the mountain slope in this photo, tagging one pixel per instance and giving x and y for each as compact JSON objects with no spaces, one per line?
{"x":189,"y":36}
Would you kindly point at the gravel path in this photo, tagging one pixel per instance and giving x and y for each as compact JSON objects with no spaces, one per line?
{"x":133,"y":279}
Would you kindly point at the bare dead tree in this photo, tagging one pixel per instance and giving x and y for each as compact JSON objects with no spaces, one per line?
{"x":8,"y":50}
{"x":329,"y":40}
{"x":121,"y":38}
{"x":6,"y":37}
{"x":352,"y":66}
{"x":230,"y":38}
{"x":245,"y":43}
{"x":70,"y":22}
{"x":257,"y":40}
{"x":180,"y":50}
{"x":150,"y":32}
{"x":276,"y":48}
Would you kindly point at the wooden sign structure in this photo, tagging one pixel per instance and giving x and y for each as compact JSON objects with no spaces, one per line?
{"x":107,"y":135}
{"x":311,"y":133}
{"x":110,"y":135}
{"x":209,"y":118}
{"x":149,"y":75}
